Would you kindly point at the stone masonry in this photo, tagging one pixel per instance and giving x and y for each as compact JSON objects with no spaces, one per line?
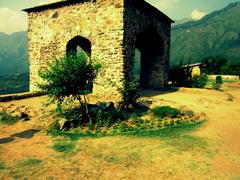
{"x":110,"y":31}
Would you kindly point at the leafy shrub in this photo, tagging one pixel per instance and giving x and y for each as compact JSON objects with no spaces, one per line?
{"x":69,"y":76}
{"x":165,"y":111}
{"x":130,"y":93}
{"x":6,"y":118}
{"x":199,"y":81}
{"x":106,"y":117}
{"x":217,"y":84}
{"x":220,"y":65}
{"x":219,"y":80}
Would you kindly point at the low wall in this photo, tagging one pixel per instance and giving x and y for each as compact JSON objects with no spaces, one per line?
{"x":10,"y":97}
{"x":224,"y":77}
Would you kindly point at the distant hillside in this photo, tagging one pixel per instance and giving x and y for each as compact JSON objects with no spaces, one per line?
{"x":181,"y":21}
{"x":13,"y":53}
{"x":215,"y":34}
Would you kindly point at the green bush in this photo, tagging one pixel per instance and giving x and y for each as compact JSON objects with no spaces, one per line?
{"x":130,"y":93}
{"x":6,"y":118}
{"x":199,"y":81}
{"x":217,"y":84}
{"x":165,"y":111}
{"x":106,"y":117}
{"x":69,"y":76}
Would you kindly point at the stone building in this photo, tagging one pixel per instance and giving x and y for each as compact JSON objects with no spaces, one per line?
{"x":107,"y":30}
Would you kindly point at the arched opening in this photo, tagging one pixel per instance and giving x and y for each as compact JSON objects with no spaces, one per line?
{"x":149,"y":59}
{"x":80,"y":44}
{"x":77,"y":44}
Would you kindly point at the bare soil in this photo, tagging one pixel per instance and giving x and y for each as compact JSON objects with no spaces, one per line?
{"x":211,"y":151}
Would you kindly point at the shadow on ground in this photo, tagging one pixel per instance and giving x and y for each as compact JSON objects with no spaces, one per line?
{"x":27,"y":134}
{"x":167,"y":90}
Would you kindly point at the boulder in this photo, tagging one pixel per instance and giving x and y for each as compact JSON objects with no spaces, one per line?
{"x":64,"y":124}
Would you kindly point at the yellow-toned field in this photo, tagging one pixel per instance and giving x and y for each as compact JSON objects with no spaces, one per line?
{"x":208,"y":151}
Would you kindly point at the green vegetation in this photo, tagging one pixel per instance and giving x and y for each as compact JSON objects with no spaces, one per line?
{"x":29,"y":162}
{"x":220,"y":65}
{"x":130,"y":93}
{"x":111,"y":122}
{"x":215,"y":34}
{"x":199,"y":81}
{"x":217,"y":84}
{"x":6,"y":118}
{"x":69,"y":77}
{"x":14,"y":83}
{"x":165,"y":111}
{"x":64,"y":146}
{"x":2,"y":166}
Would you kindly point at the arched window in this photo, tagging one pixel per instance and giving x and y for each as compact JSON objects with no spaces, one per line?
{"x":77,"y":44}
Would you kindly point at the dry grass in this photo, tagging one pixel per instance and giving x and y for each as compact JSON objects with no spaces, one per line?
{"x":207,"y":151}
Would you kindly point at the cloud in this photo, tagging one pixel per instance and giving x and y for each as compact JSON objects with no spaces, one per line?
{"x":47,"y":2}
{"x":164,"y":5}
{"x":197,"y":14}
{"x":12,"y":21}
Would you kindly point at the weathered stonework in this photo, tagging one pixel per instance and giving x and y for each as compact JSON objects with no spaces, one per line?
{"x":114,"y":29}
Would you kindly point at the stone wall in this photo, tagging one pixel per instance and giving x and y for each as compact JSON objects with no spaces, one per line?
{"x":100,"y":22}
{"x":140,"y":22}
{"x":113,"y":28}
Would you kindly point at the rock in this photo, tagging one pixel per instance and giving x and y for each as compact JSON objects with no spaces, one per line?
{"x":64,"y":124}
{"x":16,"y":113}
{"x":24,"y":116}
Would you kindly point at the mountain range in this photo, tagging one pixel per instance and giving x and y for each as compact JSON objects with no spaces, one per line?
{"x":13,"y":53}
{"x":218,"y":33}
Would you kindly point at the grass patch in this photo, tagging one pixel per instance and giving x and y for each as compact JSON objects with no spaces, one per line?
{"x":2,"y":166}
{"x":6,"y":118}
{"x":29,"y":162}
{"x":25,"y":168}
{"x":158,"y":133}
{"x":64,"y":146}
{"x":165,"y":111}
{"x":168,"y":131}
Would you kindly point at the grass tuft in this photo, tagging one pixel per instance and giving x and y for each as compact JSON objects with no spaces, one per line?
{"x":6,"y":118}
{"x":29,"y":162}
{"x":64,"y":146}
{"x":2,"y":166}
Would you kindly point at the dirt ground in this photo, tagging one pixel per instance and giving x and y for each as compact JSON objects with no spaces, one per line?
{"x":211,"y":151}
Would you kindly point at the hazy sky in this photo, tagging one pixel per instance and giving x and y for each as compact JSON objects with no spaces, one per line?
{"x":12,"y":19}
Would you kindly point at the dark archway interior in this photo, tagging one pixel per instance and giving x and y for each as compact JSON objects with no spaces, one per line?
{"x":77,"y":43}
{"x":149,"y":51}
{"x":80,"y":43}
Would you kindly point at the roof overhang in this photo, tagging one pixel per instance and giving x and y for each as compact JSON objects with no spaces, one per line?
{"x":55,"y":5}
{"x":62,"y":3}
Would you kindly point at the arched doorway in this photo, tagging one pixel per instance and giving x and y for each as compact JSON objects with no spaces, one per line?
{"x":77,"y":44}
{"x":149,"y":59}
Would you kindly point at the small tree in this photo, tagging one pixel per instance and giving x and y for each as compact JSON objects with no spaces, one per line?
{"x":217,"y":84}
{"x":199,"y":81}
{"x":69,"y":76}
{"x":130,"y":93}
